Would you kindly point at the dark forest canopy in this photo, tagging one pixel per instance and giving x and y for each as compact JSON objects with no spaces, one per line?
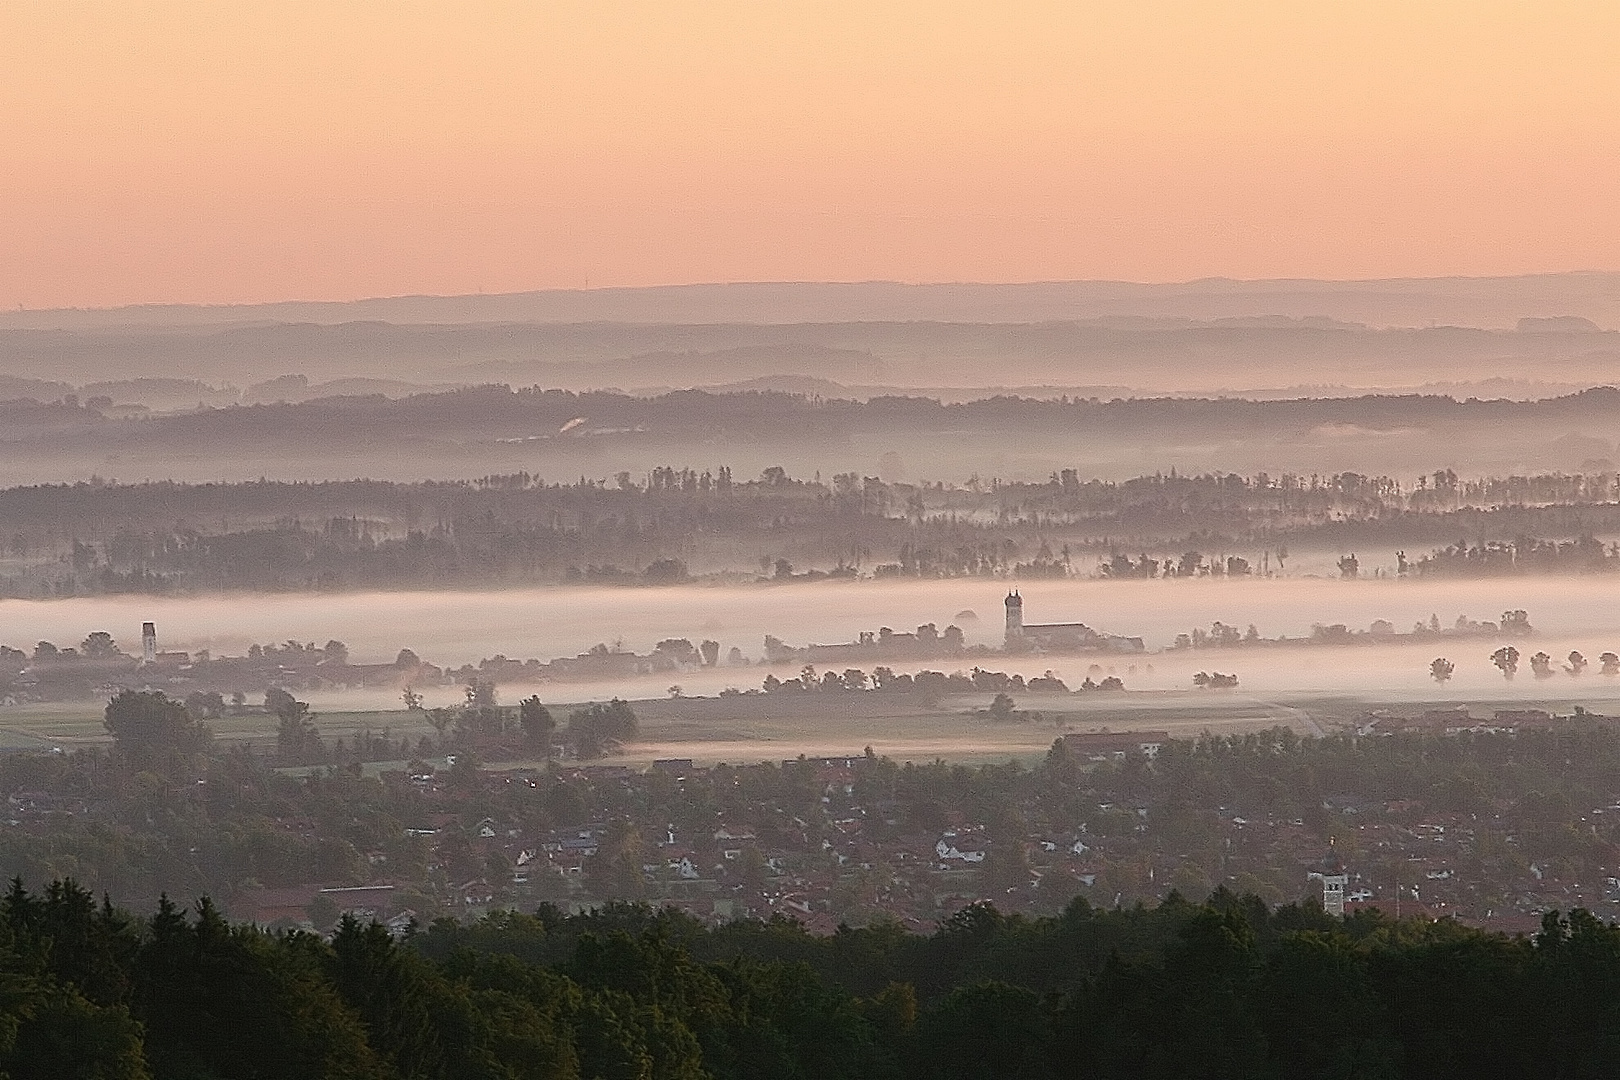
{"x":1223,"y":989}
{"x":501,"y":410}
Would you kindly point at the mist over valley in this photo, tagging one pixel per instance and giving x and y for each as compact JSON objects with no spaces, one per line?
{"x":741,"y":541}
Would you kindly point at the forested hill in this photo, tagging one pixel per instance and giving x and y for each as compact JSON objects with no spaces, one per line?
{"x":557,"y":433}
{"x":498,"y":411}
{"x":1224,"y":989}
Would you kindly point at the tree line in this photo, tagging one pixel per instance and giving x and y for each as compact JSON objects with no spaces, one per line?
{"x":662,"y":526}
{"x":1228,"y":988}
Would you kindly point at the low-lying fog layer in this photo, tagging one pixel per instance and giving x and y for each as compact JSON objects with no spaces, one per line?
{"x":452,"y":628}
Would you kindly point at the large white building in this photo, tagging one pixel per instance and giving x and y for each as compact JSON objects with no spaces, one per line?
{"x":1059,"y":637}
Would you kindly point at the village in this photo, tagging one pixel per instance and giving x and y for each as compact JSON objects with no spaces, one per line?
{"x":98,"y":666}
{"x":861,"y":839}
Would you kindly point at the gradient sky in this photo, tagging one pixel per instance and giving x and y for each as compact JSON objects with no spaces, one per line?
{"x":220,"y":151}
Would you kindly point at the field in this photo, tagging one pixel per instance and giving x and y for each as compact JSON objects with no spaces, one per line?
{"x":79,"y":723}
{"x":750,"y":728}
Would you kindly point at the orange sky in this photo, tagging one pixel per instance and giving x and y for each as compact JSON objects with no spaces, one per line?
{"x":219,"y":151}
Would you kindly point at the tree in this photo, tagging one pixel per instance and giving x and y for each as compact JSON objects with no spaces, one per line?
{"x":614,"y":872}
{"x":322,"y":911}
{"x":1516,"y":622}
{"x":153,"y":731}
{"x":1541,"y":666}
{"x":664,"y":572}
{"x":482,"y":717}
{"x":1576,"y":663}
{"x":537,"y":723}
{"x":298,"y":741}
{"x":1507,"y":661}
{"x":61,"y":1034}
{"x":99,"y":646}
{"x":751,"y":868}
{"x":1006,"y":868}
{"x":442,"y":720}
{"x":986,"y":1031}
{"x":1441,"y":669}
{"x":1610,"y":662}
{"x":207,"y":704}
{"x":1002,"y":708}
{"x":412,"y":700}
{"x":599,"y":729}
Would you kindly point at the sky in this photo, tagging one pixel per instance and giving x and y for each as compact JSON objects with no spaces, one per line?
{"x":236,"y":152}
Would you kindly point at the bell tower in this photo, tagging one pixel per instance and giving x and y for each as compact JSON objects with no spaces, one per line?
{"x":1332,"y":875}
{"x":1015,"y":620}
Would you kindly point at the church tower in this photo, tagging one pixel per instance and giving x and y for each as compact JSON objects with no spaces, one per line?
{"x":1333,"y":877}
{"x":1015,"y":620}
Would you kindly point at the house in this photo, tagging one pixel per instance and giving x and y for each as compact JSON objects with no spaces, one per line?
{"x":476,"y":893}
{"x":1519,"y":719}
{"x":601,"y":773}
{"x":400,"y":925}
{"x":264,"y":907}
{"x":45,"y":804}
{"x":1114,"y":746}
{"x":955,"y":847}
{"x":585,"y":842}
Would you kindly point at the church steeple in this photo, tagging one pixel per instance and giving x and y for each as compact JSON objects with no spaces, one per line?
{"x":1015,"y":619}
{"x":1332,"y":874}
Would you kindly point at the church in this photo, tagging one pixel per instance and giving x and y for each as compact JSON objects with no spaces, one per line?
{"x":1059,"y":637}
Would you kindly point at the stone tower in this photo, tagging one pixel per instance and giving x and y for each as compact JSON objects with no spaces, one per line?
{"x":148,"y":643}
{"x":1015,"y":620}
{"x":1333,"y":877}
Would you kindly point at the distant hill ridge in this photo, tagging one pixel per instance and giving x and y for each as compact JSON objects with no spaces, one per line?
{"x":1491,"y":302}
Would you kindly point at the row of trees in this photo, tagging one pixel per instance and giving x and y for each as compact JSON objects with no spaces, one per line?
{"x":1223,"y":989}
{"x":929,"y":684}
{"x":1542,"y":665}
{"x":487,"y":728}
{"x":657,"y":528}
{"x":1524,"y":555}
{"x":153,"y":732}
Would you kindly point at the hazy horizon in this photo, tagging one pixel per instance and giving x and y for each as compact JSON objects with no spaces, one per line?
{"x":1495,"y":301}
{"x":187,"y":152}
